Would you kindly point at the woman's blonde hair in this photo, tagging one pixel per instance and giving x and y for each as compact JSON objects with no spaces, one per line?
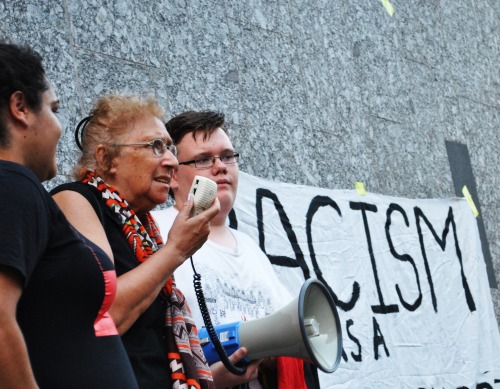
{"x":112,"y":116}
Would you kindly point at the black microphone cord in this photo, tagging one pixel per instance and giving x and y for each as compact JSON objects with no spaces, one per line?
{"x":209,"y":326}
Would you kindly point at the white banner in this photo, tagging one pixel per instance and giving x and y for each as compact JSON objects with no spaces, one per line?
{"x":408,"y":276}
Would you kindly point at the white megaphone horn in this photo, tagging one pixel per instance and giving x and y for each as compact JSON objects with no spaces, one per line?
{"x":307,"y":328}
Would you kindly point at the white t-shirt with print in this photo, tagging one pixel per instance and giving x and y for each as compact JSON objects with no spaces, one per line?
{"x":238,"y":284}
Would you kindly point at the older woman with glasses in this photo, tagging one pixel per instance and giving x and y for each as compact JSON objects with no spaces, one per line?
{"x":125,"y":170}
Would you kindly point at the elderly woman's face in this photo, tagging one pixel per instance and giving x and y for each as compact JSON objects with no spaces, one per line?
{"x":140,"y":176}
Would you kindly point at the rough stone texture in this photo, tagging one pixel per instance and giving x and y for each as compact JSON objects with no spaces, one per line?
{"x":321,"y":92}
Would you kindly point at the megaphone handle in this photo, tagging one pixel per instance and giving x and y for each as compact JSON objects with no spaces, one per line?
{"x":209,"y":326}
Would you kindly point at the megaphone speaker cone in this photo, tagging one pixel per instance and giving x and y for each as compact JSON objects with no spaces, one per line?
{"x":308,"y":328}
{"x":324,"y":341}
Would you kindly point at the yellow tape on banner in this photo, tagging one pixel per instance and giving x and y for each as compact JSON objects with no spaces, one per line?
{"x":467,"y":195}
{"x":388,"y":7}
{"x":360,"y":188}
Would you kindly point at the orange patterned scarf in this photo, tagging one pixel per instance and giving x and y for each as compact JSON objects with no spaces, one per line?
{"x":188,"y":366}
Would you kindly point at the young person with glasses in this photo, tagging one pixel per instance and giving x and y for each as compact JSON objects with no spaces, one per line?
{"x":56,"y":286}
{"x":238,"y":280}
{"x":125,"y":170}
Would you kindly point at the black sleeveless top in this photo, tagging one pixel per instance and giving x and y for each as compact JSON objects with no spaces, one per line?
{"x":144,"y":341}
{"x":62,"y":310}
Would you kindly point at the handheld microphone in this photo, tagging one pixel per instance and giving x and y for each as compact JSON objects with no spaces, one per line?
{"x":204,"y":191}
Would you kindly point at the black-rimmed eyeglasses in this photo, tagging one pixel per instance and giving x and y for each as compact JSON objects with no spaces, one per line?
{"x":157,"y":145}
{"x":208,"y":162}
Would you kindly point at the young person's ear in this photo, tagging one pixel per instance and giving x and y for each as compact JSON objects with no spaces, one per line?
{"x":18,"y":108}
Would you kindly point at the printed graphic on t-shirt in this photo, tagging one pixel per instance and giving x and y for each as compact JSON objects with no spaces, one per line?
{"x":228,"y":302}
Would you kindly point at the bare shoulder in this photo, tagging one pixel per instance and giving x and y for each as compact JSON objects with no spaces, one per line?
{"x":69,"y":200}
{"x":81,"y":214}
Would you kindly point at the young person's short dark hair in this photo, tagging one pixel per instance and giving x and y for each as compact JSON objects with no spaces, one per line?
{"x":21,"y":70}
{"x":193,"y":122}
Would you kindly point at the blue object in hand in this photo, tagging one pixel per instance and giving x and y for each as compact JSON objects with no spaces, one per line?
{"x":228,"y":337}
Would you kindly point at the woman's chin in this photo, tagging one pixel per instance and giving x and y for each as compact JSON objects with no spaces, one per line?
{"x":161,"y":199}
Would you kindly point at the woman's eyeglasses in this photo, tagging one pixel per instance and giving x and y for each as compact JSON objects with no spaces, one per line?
{"x":157,"y":145}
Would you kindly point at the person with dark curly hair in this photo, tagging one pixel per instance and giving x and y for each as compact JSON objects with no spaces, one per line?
{"x":56,"y":286}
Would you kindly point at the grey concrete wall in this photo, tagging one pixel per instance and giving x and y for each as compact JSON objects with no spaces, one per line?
{"x":317,"y":92}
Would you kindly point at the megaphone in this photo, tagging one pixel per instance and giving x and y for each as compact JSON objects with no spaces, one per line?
{"x":307,"y":328}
